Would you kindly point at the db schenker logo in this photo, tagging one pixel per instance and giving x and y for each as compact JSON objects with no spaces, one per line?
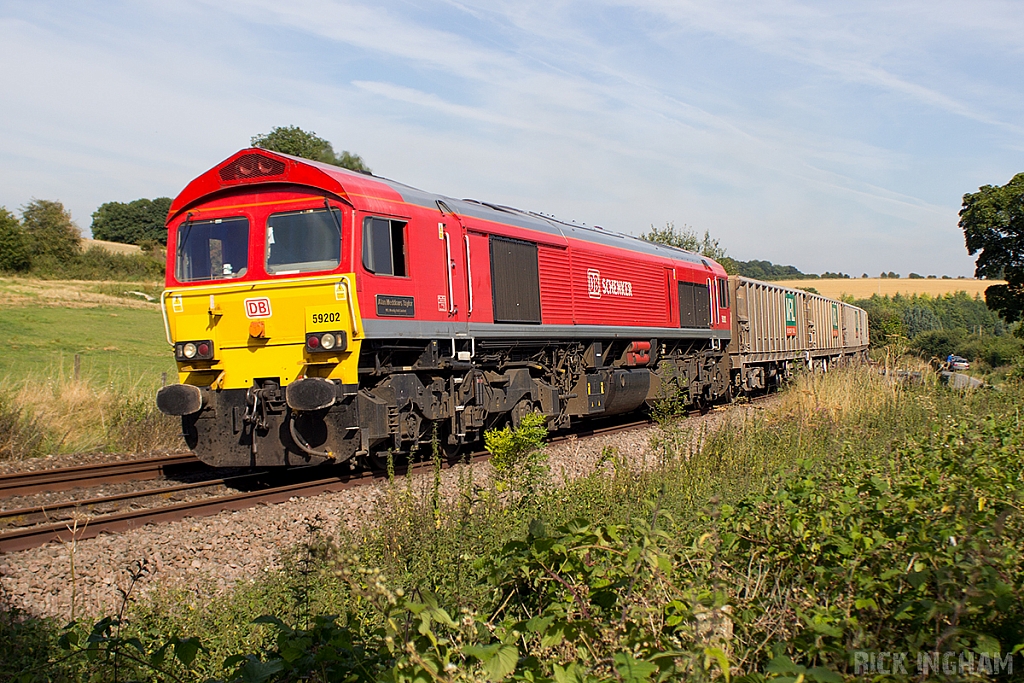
{"x":594,"y":283}
{"x":597,"y":285}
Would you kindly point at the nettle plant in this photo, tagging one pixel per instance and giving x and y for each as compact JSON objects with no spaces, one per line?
{"x":581,"y":603}
{"x":914,"y":551}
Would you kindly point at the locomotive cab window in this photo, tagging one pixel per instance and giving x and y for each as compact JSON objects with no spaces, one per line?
{"x":723,"y":293}
{"x":384,"y":246}
{"x":303,"y":241}
{"x":212,"y":250}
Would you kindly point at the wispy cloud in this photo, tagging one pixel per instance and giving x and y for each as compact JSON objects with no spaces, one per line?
{"x":803,"y":132}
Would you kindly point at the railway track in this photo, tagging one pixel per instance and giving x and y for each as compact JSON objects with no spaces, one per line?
{"x":64,"y":478}
{"x":32,"y":526}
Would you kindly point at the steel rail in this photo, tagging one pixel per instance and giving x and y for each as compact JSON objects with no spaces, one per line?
{"x":67,"y":532}
{"x":26,"y":513}
{"x":64,"y":478}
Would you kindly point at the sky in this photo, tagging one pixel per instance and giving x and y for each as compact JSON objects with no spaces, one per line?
{"x":832,"y":136}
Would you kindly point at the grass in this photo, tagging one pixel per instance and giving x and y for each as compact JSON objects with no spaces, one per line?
{"x":118,"y":336}
{"x":45,"y":324}
{"x":863,"y":288}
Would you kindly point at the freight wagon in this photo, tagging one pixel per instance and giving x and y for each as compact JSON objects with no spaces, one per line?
{"x":775,"y":329}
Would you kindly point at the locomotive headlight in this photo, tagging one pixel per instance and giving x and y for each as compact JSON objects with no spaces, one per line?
{"x":189,"y":350}
{"x":327,"y":341}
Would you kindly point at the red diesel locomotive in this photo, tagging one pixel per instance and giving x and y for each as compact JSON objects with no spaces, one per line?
{"x":321,"y":315}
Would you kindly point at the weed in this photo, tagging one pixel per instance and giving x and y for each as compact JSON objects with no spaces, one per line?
{"x":21,"y":433}
{"x":65,"y":415}
{"x":851,"y":515}
{"x":517,"y":456}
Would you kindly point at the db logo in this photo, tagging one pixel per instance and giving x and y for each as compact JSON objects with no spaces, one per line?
{"x":594,"y":283}
{"x":257,"y":308}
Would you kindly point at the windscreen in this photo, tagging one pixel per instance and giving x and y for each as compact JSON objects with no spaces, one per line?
{"x":303,"y":241}
{"x":212,"y":250}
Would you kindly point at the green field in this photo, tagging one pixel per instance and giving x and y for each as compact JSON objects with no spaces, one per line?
{"x":44,"y":325}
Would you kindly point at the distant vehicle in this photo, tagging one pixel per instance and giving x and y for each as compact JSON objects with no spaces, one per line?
{"x":958,"y":363}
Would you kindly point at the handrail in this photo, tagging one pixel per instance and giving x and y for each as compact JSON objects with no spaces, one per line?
{"x":448,"y":267}
{"x":163,"y":314}
{"x":351,"y":306}
{"x":713,"y":314}
{"x":469,"y":276}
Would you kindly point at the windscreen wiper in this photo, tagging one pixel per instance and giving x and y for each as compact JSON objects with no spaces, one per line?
{"x":188,"y":231}
{"x":330,"y":210}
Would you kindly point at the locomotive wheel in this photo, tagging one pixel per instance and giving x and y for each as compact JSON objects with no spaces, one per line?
{"x":521,"y":410}
{"x":378,"y":460}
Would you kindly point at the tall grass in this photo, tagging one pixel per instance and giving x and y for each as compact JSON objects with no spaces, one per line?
{"x":61,"y":414}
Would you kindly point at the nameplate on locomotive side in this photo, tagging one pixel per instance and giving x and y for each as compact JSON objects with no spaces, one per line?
{"x":396,"y":306}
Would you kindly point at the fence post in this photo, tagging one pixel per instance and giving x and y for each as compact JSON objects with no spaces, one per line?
{"x":78,"y":366}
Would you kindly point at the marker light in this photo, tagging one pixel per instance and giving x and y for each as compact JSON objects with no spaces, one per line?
{"x":326,"y":342}
{"x":200,"y":349}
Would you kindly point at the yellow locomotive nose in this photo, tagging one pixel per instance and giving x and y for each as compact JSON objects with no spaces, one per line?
{"x":260,"y":359}
{"x":302,"y":327}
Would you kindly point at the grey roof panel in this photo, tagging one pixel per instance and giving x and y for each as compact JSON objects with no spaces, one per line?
{"x":540,"y":223}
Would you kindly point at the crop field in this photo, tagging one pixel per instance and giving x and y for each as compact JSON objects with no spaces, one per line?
{"x":863,"y":288}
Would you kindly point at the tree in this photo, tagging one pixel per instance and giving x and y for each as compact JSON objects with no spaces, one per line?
{"x":50,"y":230}
{"x":993,"y":223}
{"x":14,"y":250}
{"x":297,"y":142}
{"x":687,"y":239}
{"x":142,"y":220}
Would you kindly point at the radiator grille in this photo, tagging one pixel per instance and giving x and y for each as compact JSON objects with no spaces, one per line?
{"x":515,"y":281}
{"x":694,"y":305}
{"x":250,"y":166}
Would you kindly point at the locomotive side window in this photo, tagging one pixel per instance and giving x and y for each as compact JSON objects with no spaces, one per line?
{"x":303,"y":241}
{"x":384,"y":246}
{"x":723,"y":294}
{"x":212,"y":250}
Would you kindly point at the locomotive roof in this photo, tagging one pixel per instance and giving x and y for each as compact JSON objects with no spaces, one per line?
{"x":364,"y":192}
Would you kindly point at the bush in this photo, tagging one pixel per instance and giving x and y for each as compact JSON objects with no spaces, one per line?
{"x":914,"y":315}
{"x":14,"y":247}
{"x":517,"y":454}
{"x":995,"y":351}
{"x":50,"y":230}
{"x":97,"y":263}
{"x":938,"y":343}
